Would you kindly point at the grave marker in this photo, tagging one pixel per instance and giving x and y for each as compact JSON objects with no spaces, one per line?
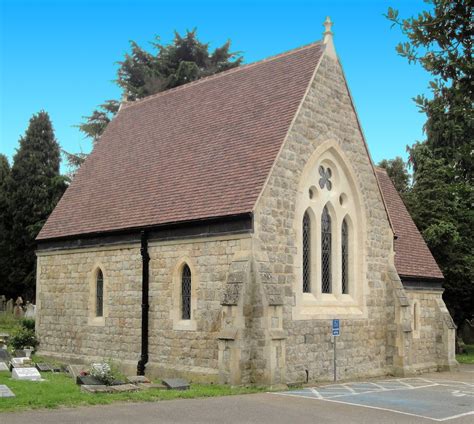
{"x":30,"y":374}
{"x":5,"y":391}
{"x":4,"y":367}
{"x":176,"y":384}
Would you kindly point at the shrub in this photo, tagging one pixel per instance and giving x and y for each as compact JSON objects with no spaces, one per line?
{"x":22,"y":337}
{"x":103,"y":373}
{"x":28,"y":323}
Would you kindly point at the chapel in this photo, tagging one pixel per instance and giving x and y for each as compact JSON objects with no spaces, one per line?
{"x":219,"y":227}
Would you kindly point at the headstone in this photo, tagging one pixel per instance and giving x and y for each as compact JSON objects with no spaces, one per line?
{"x":4,"y":367}
{"x":21,"y":362}
{"x":30,"y":374}
{"x":152,"y":386}
{"x":88,"y":380}
{"x":123,"y":388}
{"x":20,"y":353}
{"x":4,"y":355}
{"x":176,"y":384}
{"x":95,"y":388}
{"x":18,"y":311}
{"x":134,"y":379}
{"x":9,"y":306}
{"x":76,"y":370}
{"x":44,"y":367}
{"x":3,"y":303}
{"x":30,"y":310}
{"x":5,"y":392}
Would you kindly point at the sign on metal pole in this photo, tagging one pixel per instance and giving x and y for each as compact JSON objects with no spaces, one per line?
{"x":335,"y":333}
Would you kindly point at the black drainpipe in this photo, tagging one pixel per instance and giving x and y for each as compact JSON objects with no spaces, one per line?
{"x":145,"y":306}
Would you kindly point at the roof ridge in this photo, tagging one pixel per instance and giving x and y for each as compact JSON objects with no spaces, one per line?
{"x":126,"y":105}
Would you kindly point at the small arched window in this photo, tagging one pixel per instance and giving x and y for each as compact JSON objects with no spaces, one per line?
{"x":99,"y":294}
{"x":186,"y":292}
{"x":326,"y":247}
{"x":306,"y":253}
{"x":345,"y":257}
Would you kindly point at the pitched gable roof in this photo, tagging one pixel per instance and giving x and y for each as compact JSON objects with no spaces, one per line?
{"x":412,"y":256}
{"x":198,"y":151}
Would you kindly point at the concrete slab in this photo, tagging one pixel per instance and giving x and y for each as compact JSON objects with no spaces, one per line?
{"x":30,"y":374}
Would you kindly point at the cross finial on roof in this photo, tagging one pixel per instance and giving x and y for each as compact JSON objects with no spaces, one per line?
{"x":328,"y":37}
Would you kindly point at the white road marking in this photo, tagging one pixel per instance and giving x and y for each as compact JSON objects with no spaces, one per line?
{"x":383,"y":409}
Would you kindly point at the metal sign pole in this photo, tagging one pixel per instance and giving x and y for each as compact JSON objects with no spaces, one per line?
{"x":335,"y":369}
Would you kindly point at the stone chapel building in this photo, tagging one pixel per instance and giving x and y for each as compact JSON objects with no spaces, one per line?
{"x":218,"y":228}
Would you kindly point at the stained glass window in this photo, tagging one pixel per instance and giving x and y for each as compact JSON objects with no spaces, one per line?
{"x":306,"y":253}
{"x":186,"y":293}
{"x":345,"y":257}
{"x":326,"y":242}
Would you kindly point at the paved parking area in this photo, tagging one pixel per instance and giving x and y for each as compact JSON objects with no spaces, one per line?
{"x":433,"y":399}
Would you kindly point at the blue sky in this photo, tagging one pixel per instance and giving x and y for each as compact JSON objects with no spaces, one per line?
{"x":60,"y":56}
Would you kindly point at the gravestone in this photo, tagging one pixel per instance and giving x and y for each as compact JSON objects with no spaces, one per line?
{"x":18,"y":311}
{"x":123,"y":388}
{"x":76,"y":370}
{"x":147,"y":386}
{"x":134,"y":379}
{"x":3,"y":303}
{"x":4,"y":367}
{"x":20,"y":353}
{"x":9,"y":306}
{"x":176,"y":384}
{"x":44,"y":367}
{"x":30,"y":310}
{"x":5,"y":392}
{"x":4,"y":355}
{"x":95,"y":388}
{"x":30,"y":374}
{"x":89,"y":380}
{"x":21,"y":363}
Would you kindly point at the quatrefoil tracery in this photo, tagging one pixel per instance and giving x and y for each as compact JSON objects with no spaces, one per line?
{"x":325,"y":174}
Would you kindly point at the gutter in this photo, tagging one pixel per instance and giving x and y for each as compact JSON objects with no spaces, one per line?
{"x":145,"y":305}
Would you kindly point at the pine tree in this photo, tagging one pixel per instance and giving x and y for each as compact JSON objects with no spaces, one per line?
{"x":142,"y":73}
{"x":4,"y":226}
{"x":35,"y":186}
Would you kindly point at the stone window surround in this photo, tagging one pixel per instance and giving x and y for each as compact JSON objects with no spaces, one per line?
{"x":416,"y":319}
{"x":317,"y":305}
{"x":93,"y":319}
{"x":176,"y":313}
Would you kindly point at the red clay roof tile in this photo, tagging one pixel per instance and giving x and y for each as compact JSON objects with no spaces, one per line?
{"x":412,"y":256}
{"x":198,"y":151}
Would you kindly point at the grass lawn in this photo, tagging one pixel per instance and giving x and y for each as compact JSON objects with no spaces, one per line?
{"x":60,"y":390}
{"x":7,"y":323}
{"x":467,"y":357}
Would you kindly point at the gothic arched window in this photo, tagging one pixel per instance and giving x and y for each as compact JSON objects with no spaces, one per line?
{"x":326,"y":242}
{"x":345,"y":257}
{"x":186,"y":293}
{"x":99,"y":294}
{"x":306,"y":253}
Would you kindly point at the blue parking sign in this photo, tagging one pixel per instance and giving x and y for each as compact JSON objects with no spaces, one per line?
{"x":335,"y":327}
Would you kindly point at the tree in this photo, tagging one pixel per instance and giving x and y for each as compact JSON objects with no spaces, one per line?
{"x":142,"y":74}
{"x":35,"y":186}
{"x":4,"y":223}
{"x":442,"y":194}
{"x":398,"y":173}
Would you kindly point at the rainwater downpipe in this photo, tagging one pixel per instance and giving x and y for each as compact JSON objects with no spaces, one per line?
{"x":145,"y":305}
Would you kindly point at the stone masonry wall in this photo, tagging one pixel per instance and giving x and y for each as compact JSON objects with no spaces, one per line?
{"x":326,"y":114}
{"x":65,"y":330}
{"x":63,"y":293}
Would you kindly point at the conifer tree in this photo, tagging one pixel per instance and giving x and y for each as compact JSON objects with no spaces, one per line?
{"x":142,"y":73}
{"x":442,"y":192}
{"x":4,"y":225}
{"x":35,"y":186}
